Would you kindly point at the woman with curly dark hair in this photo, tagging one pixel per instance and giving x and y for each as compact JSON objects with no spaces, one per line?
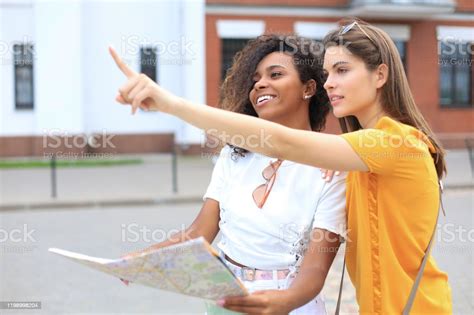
{"x":280,"y":221}
{"x":238,"y":83}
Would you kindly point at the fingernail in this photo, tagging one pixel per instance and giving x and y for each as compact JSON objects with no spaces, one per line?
{"x":220,"y":302}
{"x":337,"y":173}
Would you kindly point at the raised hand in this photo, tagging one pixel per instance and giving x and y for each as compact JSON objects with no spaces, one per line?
{"x":140,"y":91}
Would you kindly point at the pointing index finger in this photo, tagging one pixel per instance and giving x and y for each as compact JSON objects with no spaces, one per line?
{"x":122,"y":65}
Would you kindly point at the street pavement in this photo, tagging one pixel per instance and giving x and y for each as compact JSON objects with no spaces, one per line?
{"x":29,"y":272}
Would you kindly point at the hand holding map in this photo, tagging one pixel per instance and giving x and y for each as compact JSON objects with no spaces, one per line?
{"x":191,"y":268}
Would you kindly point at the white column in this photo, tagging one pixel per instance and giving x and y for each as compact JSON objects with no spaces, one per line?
{"x":193,"y":70}
{"x":58,"y":75}
{"x":2,"y":58}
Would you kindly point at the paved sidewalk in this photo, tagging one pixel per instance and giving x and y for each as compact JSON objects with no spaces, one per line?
{"x":147,"y":183}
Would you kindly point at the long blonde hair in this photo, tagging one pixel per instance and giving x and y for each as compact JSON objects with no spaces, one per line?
{"x":375,"y":47}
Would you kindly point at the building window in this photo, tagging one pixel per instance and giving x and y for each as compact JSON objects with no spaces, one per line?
{"x":455,"y":67}
{"x":230,"y":46}
{"x":148,"y":62}
{"x":23,"y":67}
{"x":402,"y":48}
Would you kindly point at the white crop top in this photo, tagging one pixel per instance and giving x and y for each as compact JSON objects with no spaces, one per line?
{"x":275,"y":236}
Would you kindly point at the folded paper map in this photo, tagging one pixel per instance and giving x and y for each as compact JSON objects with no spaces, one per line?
{"x":191,"y":268}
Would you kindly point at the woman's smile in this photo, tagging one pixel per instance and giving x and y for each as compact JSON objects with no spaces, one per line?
{"x":264,"y":99}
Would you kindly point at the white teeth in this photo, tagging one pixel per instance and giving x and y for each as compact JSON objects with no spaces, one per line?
{"x":335,"y":98}
{"x":264,"y":98}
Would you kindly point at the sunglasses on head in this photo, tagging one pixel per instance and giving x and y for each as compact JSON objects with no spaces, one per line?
{"x":348,"y":27}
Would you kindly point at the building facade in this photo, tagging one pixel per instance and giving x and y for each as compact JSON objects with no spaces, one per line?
{"x":58,"y":82}
{"x":435,"y":40}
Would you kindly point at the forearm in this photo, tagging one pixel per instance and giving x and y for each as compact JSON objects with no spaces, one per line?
{"x":302,"y":291}
{"x":315,"y":266}
{"x":248,"y":132}
{"x":271,"y":139}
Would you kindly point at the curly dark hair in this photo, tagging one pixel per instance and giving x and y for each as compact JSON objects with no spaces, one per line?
{"x":308,"y":59}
